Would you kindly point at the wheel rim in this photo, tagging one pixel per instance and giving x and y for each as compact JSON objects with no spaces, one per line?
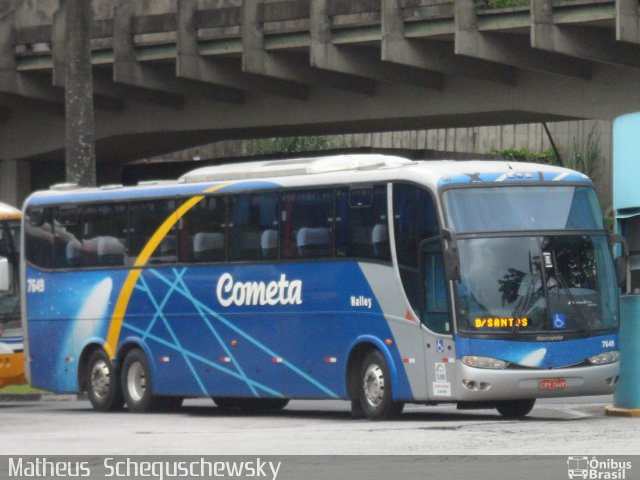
{"x":100,"y":379}
{"x":373,"y":385}
{"x":136,"y":381}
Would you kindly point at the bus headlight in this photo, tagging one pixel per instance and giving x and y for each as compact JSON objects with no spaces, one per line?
{"x":483,"y":362}
{"x":606,"y":357}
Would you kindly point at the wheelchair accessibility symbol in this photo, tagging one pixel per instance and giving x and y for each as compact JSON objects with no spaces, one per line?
{"x":440,"y":345}
{"x":559,"y":321}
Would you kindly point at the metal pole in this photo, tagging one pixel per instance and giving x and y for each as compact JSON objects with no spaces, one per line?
{"x":79,"y":123}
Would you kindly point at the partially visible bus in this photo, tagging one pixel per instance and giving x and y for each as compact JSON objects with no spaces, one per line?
{"x":11,"y":352}
{"x":370,"y":278}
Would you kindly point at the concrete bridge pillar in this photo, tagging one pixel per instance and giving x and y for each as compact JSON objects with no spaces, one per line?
{"x":15,"y":181}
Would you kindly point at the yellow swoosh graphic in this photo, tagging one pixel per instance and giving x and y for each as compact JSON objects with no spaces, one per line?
{"x":132,"y":278}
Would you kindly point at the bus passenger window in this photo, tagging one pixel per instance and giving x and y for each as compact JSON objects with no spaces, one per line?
{"x":307,"y":221}
{"x":250,"y":216}
{"x":104,"y":235}
{"x":39,"y":236}
{"x":144,"y":219}
{"x":67,"y":235}
{"x":361,"y":223}
{"x":203,"y":232}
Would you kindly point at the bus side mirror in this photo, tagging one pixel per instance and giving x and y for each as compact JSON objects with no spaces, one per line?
{"x":5,"y":275}
{"x":451,"y":263}
{"x":451,"y":257}
{"x":621,"y":263}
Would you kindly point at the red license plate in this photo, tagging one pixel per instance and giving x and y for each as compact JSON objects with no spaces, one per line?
{"x":553,"y":384}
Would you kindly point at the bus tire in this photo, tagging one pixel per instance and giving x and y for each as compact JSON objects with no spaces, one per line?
{"x":136,"y":383}
{"x":102,"y":383}
{"x":515,"y":409}
{"x":374,"y":389}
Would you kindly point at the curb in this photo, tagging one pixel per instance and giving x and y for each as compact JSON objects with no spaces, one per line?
{"x":613,"y":411}
{"x":38,"y":397}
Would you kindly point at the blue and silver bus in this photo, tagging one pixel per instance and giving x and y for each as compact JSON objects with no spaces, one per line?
{"x":370,"y":278}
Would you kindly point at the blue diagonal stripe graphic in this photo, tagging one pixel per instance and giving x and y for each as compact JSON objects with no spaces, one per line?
{"x":173,"y":336}
{"x":204,"y":360}
{"x":215,"y":333}
{"x":248,"y":337}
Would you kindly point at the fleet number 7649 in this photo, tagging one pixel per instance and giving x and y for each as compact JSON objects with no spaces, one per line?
{"x":35,"y":285}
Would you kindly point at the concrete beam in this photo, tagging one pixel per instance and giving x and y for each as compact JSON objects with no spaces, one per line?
{"x":437,"y":56}
{"x":191,"y":65}
{"x":127,"y":69}
{"x":32,"y":93}
{"x":327,"y":56}
{"x":256,"y":60}
{"x":580,"y":42}
{"x":508,"y":49}
{"x":627,"y":21}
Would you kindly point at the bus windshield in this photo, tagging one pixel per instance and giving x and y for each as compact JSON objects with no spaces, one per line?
{"x":543,"y":282}
{"x":519,"y":208}
{"x":535,"y":284}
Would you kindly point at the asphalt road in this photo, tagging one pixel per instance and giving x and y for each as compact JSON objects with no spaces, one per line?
{"x":555,"y":427}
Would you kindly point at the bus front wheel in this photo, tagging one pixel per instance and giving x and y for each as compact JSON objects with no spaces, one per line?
{"x":374,"y":389}
{"x":515,"y":408}
{"x":102,"y":383}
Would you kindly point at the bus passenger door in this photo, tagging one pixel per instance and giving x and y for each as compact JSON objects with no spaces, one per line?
{"x":435,"y":316}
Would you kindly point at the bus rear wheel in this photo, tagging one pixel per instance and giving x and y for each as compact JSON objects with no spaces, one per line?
{"x":136,"y":384}
{"x":515,"y":409}
{"x":374,"y":389}
{"x":102,"y":383}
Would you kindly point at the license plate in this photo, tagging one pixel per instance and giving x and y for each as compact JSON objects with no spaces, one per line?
{"x":553,"y":384}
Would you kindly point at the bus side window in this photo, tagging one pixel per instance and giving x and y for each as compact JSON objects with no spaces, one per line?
{"x":67,"y":234}
{"x":361,"y":223}
{"x":203,"y":234}
{"x":251,"y":216}
{"x":414,"y":219}
{"x":104,"y":236}
{"x":307,"y":224}
{"x":144,"y":219}
{"x":39,"y":236}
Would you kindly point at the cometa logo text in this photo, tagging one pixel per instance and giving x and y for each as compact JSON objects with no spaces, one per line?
{"x":276,"y":292}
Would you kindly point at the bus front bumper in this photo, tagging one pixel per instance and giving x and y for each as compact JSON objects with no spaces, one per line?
{"x":477,"y":385}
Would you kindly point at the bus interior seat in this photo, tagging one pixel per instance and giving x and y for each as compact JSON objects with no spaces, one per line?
{"x":313,"y":242}
{"x":380,"y":241}
{"x":208,"y":246}
{"x":269,"y":244}
{"x":110,"y":251}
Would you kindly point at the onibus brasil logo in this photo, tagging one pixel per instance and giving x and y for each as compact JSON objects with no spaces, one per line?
{"x":596,"y":469}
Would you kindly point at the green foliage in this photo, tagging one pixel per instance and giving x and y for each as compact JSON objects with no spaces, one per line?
{"x":293,"y":144}
{"x":586,"y":158}
{"x":609,"y":222}
{"x":526,"y":155}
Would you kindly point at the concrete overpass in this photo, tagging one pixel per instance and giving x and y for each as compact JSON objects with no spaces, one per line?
{"x":175,"y":73}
